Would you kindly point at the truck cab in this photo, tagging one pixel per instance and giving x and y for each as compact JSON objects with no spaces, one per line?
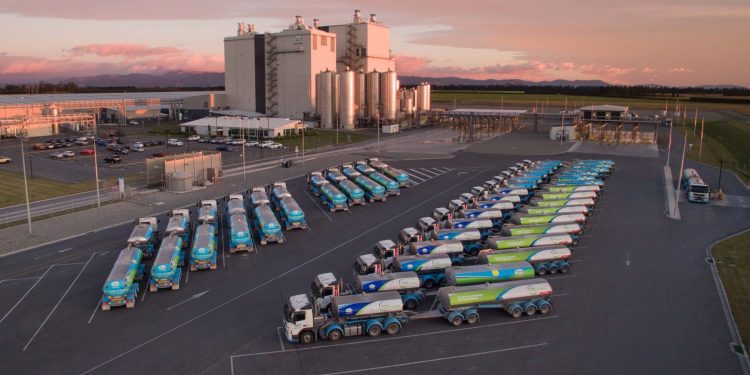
{"x":455,"y":205}
{"x":334,"y":174}
{"x":427,"y":223}
{"x":367,"y":264}
{"x":479,"y":192}
{"x":362,"y":167}
{"x":207,"y":212}
{"x":324,"y":287}
{"x":442,"y":213}
{"x":468,"y":198}
{"x":500,"y":180}
{"x":410,"y":234}
{"x":145,"y":235}
{"x":259,"y":197}
{"x":301,"y":319}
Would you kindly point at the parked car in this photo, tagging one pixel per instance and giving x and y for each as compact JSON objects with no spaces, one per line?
{"x":137,"y":148}
{"x":4,"y":160}
{"x":82,"y":142}
{"x":68,"y":144}
{"x":68,"y":154}
{"x":39,"y":146}
{"x":132,"y":122}
{"x":87,"y":151}
{"x":112,"y":159}
{"x":136,"y":145}
{"x":205,"y":140}
{"x":159,"y":154}
{"x":120,"y":151}
{"x":50,"y":146}
{"x":251,"y":143}
{"x":224,"y":148}
{"x":56,"y":155}
{"x":194,"y":138}
{"x":274,"y":146}
{"x":101,"y":142}
{"x":265,"y":144}
{"x":175,"y":142}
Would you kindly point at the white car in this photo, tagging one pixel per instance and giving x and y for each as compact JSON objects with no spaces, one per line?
{"x":57,"y":155}
{"x":175,"y":142}
{"x":275,"y":146}
{"x":265,"y":144}
{"x":68,"y":154}
{"x":251,"y":143}
{"x":4,"y":160}
{"x":194,"y":138}
{"x":137,"y":148}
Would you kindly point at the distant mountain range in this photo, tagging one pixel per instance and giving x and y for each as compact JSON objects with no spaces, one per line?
{"x":178,"y":79}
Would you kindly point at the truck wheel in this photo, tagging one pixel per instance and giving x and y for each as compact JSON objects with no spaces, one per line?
{"x":393,"y":329}
{"x":334,"y":335}
{"x":545,"y":308}
{"x":472,"y":319}
{"x":429,"y":284}
{"x":541,"y":271}
{"x":306,"y":337}
{"x":410,"y":304}
{"x":531,"y":310}
{"x":516,"y":312}
{"x":375,"y":330}
{"x":553,"y":270}
{"x":565,"y":268}
{"x":575,"y":242}
{"x":457,"y":320}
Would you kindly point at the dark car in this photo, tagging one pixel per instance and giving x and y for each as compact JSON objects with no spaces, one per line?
{"x":159,"y":142}
{"x":101,"y":142}
{"x":68,"y":144}
{"x":112,"y":159}
{"x":121,"y":151}
{"x":159,"y":154}
{"x":224,"y":148}
{"x":40,"y":146}
{"x":70,"y":139}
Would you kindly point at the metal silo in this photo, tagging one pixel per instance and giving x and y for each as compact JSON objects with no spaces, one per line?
{"x":346,"y":99}
{"x":388,"y":91}
{"x":324,"y":98}
{"x":373,"y":95}
{"x":423,"y":97}
{"x":360,"y":96}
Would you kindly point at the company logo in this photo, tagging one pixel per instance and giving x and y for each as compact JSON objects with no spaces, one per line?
{"x":495,"y":273}
{"x":519,"y":272}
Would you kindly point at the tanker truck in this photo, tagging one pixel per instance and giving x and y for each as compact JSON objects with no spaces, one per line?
{"x":497,"y":216}
{"x":121,"y":286}
{"x":278,"y":192}
{"x":373,"y":190}
{"x":577,"y":182}
{"x":269,"y":229}
{"x":179,"y":225}
{"x":544,"y":259}
{"x":524,"y":219}
{"x":351,"y":315}
{"x":408,"y":235}
{"x":400,"y":176}
{"x":497,"y":205}
{"x":555,"y":210}
{"x":427,"y":223}
{"x":145,"y":235}
{"x":574,"y":189}
{"x":258,"y":197}
{"x":291,"y":214}
{"x":334,"y":199}
{"x":485,"y":226}
{"x":488,"y":273}
{"x":562,"y":196}
{"x":380,"y":257}
{"x":207,"y":213}
{"x":240,"y":235}
{"x":531,"y":240}
{"x":588,"y":202}
{"x":203,"y":253}
{"x":429,"y":268}
{"x":315,"y":181}
{"x":235,"y":204}
{"x":459,"y":304}
{"x":166,"y":270}
{"x":355,"y":194}
{"x":334,"y":175}
{"x":470,"y":238}
{"x":406,"y":284}
{"x":454,"y":249}
{"x":348,"y":170}
{"x":571,"y":228}
{"x":391,"y":187}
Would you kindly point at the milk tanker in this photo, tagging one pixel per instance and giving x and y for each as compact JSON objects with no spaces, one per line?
{"x":470,"y":238}
{"x":258,"y":197}
{"x":544,"y":259}
{"x":524,"y":219}
{"x":179,"y":225}
{"x":571,"y":228}
{"x":567,"y":196}
{"x":269,"y":229}
{"x":207,"y":213}
{"x":391,"y":186}
{"x":121,"y":287}
{"x":334,"y":175}
{"x":454,"y":249}
{"x":167,"y":268}
{"x":373,"y":190}
{"x":334,"y":199}
{"x":574,"y":189}
{"x":555,"y":210}
{"x":429,"y":268}
{"x":406,"y":284}
{"x":496,"y":215}
{"x":355,"y":194}
{"x":240,"y":235}
{"x":315,"y":181}
{"x":485,"y":226}
{"x":495,"y":205}
{"x":588,"y":202}
{"x":350,"y":315}
{"x":291,"y":214}
{"x":488,"y":273}
{"x":203,"y":251}
{"x":531,"y":240}
{"x":401,"y":177}
{"x":145,"y":235}
{"x":278,"y":192}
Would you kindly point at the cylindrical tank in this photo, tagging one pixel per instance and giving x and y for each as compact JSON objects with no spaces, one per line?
{"x":388,"y":91}
{"x":373,"y":95}
{"x":347,"y":109}
{"x":360,"y":95}
{"x":324,"y":98}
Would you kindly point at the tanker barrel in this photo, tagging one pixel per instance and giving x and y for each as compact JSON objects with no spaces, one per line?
{"x":123,"y":272}
{"x":364,"y":305}
{"x":452,"y":297}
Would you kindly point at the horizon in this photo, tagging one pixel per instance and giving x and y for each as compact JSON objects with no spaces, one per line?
{"x":648,"y":45}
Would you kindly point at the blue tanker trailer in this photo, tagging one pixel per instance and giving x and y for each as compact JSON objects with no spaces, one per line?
{"x":203,"y":252}
{"x":121,"y":286}
{"x":166,"y":270}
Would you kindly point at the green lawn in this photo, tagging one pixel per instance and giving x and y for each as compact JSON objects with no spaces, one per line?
{"x":445,"y":98}
{"x":723,"y":140}
{"x":322,"y":138}
{"x":733,"y":261}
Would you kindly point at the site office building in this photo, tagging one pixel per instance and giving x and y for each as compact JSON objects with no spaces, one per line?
{"x":274,"y":73}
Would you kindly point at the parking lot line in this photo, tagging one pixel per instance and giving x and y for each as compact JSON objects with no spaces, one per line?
{"x":281,"y":339}
{"x":317,"y":205}
{"x":25,"y":294}
{"x":18,"y":279}
{"x":414,"y":177}
{"x":436,"y":359}
{"x":422,"y":174}
{"x":429,"y":173}
{"x":94,"y":313}
{"x":58,"y":301}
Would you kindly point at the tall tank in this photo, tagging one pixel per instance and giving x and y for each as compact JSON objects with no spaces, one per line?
{"x":324,"y":98}
{"x":373,"y":95}
{"x":360,"y":94}
{"x":347,"y":108}
{"x":388,"y":92}
{"x":423,"y":96}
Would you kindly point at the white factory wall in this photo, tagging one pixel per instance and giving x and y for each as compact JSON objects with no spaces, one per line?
{"x":239,"y":72}
{"x":376,"y":40}
{"x":301,"y":54}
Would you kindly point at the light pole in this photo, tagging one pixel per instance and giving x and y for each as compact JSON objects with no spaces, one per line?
{"x":669,"y":144}
{"x":96,"y":170}
{"x":243,"y":149}
{"x":25,"y":136}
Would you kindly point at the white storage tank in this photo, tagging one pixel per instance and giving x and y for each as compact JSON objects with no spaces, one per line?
{"x":423,"y":96}
{"x":346,"y":99}
{"x":324,"y":98}
{"x":373,"y":95}
{"x":180,"y":182}
{"x":388,"y":92}
{"x":360,"y":96}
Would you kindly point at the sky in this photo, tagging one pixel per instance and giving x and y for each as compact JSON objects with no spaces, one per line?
{"x":671,"y":42}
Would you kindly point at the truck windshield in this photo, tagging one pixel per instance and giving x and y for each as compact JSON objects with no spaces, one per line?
{"x":699,"y":189}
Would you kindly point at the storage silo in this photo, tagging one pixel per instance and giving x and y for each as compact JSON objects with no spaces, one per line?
{"x":324,"y":98}
{"x":360,"y":96}
{"x":388,"y":91}
{"x":373,"y":95}
{"x":423,"y":97}
{"x":346,"y":99}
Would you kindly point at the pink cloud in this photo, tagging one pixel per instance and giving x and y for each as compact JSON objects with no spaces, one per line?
{"x":122,"y":49}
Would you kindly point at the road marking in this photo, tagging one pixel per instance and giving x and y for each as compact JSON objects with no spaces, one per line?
{"x":58,"y":301}
{"x":437,"y":359}
{"x":317,"y":205}
{"x":223,"y":244}
{"x":415,"y":177}
{"x":627,"y":260}
{"x":56,"y":252}
{"x":563,"y":277}
{"x":281,"y":340}
{"x":25,"y":294}
{"x":70,"y":264}
{"x":429,"y":172}
{"x":19,"y":279}
{"x":95,"y":310}
{"x":148,"y":282}
{"x":439,"y":172}
{"x":401,"y":337}
{"x":423,"y":174}
{"x":187,"y":274}
{"x":194,"y":296}
{"x":278,"y":277}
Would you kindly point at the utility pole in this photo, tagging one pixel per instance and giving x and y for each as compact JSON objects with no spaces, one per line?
{"x":700,"y":149}
{"x":25,"y":134}
{"x":243,"y":149}
{"x":682,"y":165}
{"x":669,"y":144}
{"x":96,"y":171}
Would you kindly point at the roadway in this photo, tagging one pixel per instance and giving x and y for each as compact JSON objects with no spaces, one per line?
{"x":640,"y":299}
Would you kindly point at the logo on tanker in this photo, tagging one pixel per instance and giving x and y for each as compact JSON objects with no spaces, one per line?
{"x":495,"y":273}
{"x":519,"y":272}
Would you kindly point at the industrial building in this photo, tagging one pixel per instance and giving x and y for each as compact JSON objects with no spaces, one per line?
{"x":245,"y":127}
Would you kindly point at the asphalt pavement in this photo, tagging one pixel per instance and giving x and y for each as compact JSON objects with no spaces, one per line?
{"x":640,"y":299}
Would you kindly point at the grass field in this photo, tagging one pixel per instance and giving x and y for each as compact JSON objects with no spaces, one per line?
{"x":322,"y":138}
{"x":733,"y":261}
{"x":723,"y":140}
{"x":511,"y":99}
